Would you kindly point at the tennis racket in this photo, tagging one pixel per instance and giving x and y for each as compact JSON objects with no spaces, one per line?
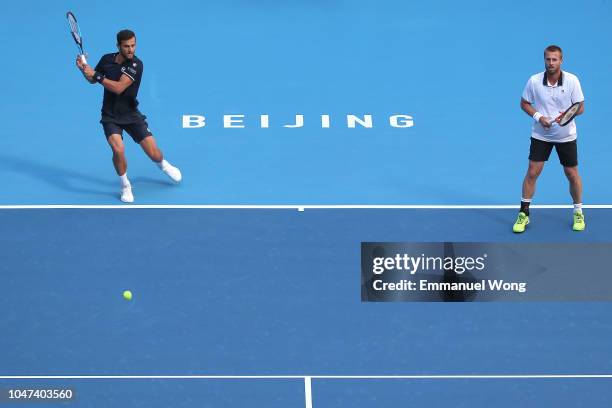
{"x":569,"y":114}
{"x":76,"y":34}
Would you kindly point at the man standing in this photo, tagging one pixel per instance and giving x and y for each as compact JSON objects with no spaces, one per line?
{"x":545,"y":97}
{"x":120,"y":74}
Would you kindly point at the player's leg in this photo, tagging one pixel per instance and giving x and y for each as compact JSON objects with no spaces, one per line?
{"x":568,"y":156}
{"x":529,"y":184}
{"x":149,"y":146}
{"x":142,"y":135}
{"x":119,"y":160}
{"x":531,"y":177}
{"x":113,"y":134}
{"x":575,"y":182}
{"x":539,"y":152}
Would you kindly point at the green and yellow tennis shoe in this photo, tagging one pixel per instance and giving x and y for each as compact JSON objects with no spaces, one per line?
{"x":579,"y":224}
{"x":521,"y":222}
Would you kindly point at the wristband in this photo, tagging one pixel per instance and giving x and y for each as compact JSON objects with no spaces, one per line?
{"x":98,"y":77}
{"x":536,"y":116}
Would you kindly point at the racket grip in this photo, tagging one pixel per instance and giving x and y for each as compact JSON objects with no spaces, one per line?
{"x":83,"y":60}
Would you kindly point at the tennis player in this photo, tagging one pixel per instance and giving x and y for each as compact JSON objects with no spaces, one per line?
{"x":544,"y":98}
{"x":120,"y":74}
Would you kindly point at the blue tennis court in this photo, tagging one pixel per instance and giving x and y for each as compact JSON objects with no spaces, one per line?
{"x":246,"y":275}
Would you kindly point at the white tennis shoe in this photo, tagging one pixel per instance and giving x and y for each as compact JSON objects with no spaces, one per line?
{"x":126,"y":194}
{"x":173,"y":172}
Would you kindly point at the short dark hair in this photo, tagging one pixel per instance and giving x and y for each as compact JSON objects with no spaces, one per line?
{"x":125,"y":35}
{"x":553,"y":48}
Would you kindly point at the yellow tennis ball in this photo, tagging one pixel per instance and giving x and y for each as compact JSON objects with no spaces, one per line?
{"x":127,"y":295}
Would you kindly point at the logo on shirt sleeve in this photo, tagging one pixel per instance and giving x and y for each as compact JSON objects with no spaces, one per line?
{"x":128,"y":70}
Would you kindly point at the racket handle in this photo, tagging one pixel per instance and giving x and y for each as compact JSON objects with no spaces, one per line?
{"x":83,"y":60}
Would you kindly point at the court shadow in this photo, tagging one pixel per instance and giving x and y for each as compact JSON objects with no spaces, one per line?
{"x":61,"y":178}
{"x":142,"y":181}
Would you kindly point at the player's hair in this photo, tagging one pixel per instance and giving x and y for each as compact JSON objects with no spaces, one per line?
{"x":125,"y":35}
{"x":553,"y":48}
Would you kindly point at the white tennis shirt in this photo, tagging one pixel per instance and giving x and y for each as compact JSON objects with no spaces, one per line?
{"x":549,"y":100}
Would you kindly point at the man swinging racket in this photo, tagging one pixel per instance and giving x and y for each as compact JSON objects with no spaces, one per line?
{"x":546,"y":98}
{"x":120,"y":74}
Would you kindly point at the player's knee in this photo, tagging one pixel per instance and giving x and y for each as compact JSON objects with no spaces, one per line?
{"x":572,"y":174}
{"x":533,"y":173}
{"x":118,"y":149}
{"x":534,"y":170}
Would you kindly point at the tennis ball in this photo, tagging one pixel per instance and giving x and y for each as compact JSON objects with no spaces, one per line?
{"x":127,"y":295}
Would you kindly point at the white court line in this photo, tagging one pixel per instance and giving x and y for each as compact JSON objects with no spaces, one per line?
{"x":304,"y":377}
{"x":299,"y":207}
{"x":308,"y":391}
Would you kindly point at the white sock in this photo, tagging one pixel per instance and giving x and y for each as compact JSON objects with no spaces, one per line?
{"x":124,"y":180}
{"x":578,"y":208}
{"x":162,"y":164}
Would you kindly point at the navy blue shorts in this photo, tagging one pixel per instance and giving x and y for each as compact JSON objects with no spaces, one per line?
{"x":138,"y":130}
{"x":539,"y":151}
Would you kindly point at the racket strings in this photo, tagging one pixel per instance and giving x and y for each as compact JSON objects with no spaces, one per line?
{"x":74,"y":27}
{"x":569,"y":113}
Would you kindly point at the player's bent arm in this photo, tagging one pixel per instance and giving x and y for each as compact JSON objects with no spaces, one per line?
{"x":581,"y":110}
{"x":531,"y":111}
{"x":117,"y":86}
{"x":527,"y":108}
{"x":87,"y":72}
{"x":89,"y":79}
